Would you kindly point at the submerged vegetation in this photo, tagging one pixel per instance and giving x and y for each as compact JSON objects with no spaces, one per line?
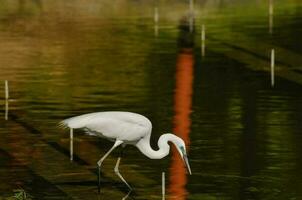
{"x":19,"y":194}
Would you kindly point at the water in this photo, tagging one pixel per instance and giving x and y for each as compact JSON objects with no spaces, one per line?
{"x":73,"y":57}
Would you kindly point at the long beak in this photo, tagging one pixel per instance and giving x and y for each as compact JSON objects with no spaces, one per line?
{"x":186,"y":161}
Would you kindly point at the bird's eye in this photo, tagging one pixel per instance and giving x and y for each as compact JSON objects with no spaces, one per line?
{"x":182,"y":148}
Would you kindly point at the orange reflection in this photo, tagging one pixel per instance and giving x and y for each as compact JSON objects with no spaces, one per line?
{"x":181,"y":120}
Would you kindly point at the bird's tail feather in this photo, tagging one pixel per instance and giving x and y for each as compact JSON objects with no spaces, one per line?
{"x":62,"y":125}
{"x":76,"y":122}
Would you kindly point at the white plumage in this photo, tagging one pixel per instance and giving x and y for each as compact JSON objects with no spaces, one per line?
{"x":126,"y":128}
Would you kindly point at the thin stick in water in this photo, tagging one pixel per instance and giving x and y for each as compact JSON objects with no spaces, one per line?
{"x":272,"y":67}
{"x":6,"y":109}
{"x":191,"y":6}
{"x":163,"y":185}
{"x":156,"y":16}
{"x":271,"y":7}
{"x":6,"y":90}
{"x":71,"y":144}
{"x":156,"y":19}
{"x":191,"y":15}
{"x":271,"y":24}
{"x":203,"y":38}
{"x":155,"y":30}
{"x":6,"y":99}
{"x":271,"y":16}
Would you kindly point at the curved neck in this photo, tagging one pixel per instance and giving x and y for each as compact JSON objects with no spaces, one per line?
{"x":144,"y":146}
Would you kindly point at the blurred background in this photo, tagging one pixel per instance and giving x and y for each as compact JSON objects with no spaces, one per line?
{"x":199,"y":69}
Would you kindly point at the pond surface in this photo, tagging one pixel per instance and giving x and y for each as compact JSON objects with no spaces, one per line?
{"x":66,"y":58}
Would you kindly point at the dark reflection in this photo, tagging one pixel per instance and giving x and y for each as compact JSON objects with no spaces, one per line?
{"x":186,"y":36}
{"x":182,"y":107}
{"x":249,"y":160}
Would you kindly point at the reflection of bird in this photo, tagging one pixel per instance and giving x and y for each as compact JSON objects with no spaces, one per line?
{"x":126,"y":128}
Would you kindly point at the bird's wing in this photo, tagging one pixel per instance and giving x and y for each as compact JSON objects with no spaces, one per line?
{"x":116,"y":129}
{"x":125,"y":126}
{"x":78,"y":121}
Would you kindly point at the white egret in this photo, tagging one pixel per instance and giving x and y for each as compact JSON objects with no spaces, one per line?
{"x":126,"y":128}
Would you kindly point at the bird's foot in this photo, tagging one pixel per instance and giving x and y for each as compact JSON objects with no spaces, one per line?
{"x":117,"y":172}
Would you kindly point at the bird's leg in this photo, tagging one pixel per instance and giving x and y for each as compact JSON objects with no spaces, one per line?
{"x":125,"y":197}
{"x":71,"y":144}
{"x":116,"y":169}
{"x":99,"y":163}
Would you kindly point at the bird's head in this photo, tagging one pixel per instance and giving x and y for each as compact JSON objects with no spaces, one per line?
{"x":181,"y":147}
{"x":165,"y":148}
